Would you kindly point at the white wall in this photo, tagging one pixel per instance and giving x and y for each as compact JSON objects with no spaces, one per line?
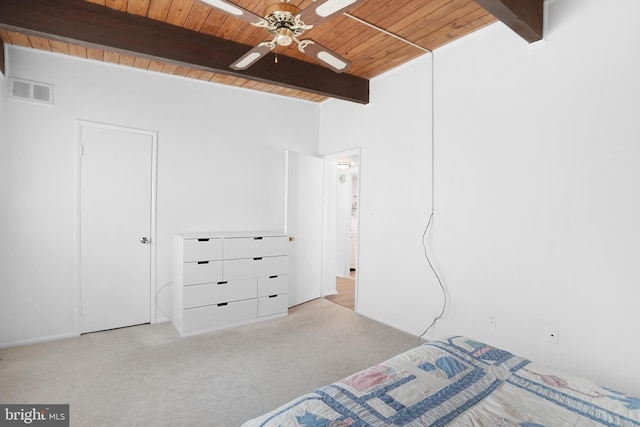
{"x":220,"y":167}
{"x":537,"y":165}
{"x":537,"y":172}
{"x":394,"y":132}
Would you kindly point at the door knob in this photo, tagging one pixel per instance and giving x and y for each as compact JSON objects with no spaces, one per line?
{"x":144,"y":240}
{"x":291,"y":238}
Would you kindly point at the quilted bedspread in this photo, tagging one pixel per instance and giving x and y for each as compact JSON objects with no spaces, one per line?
{"x":457,"y":382}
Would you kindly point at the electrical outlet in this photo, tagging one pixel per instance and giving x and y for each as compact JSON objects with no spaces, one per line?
{"x":553,"y":335}
{"x":491,"y":321}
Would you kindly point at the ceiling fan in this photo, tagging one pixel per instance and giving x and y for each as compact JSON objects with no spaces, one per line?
{"x":286,"y":23}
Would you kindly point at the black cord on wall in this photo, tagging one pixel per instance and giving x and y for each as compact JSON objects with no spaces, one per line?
{"x":426,"y":230}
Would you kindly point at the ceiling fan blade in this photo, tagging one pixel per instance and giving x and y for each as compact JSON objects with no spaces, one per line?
{"x":325,"y":8}
{"x":321,"y":53}
{"x":235,"y":10}
{"x":251,"y":57}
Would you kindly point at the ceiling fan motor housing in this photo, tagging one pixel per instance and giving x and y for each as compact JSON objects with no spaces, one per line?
{"x":281,"y":16}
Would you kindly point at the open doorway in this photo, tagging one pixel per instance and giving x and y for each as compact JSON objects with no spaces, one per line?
{"x":342,"y":192}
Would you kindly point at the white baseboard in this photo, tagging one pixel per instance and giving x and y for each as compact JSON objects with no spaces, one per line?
{"x":38,"y":340}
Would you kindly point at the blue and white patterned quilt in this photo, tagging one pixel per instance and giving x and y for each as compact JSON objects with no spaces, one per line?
{"x":457,"y":382}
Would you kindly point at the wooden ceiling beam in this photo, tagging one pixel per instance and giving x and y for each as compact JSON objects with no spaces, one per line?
{"x":93,"y":25}
{"x":2,"y":57}
{"x":525,"y":17}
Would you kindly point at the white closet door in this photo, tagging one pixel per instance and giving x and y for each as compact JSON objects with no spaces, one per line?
{"x":304,"y":224}
{"x":115,"y":261}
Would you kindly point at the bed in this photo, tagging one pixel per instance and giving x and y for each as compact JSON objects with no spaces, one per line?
{"x":457,"y":382}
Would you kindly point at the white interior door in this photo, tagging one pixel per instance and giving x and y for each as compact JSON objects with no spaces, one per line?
{"x":115,"y":220}
{"x":304,"y":224}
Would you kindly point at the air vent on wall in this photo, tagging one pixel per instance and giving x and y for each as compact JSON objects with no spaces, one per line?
{"x":31,"y":91}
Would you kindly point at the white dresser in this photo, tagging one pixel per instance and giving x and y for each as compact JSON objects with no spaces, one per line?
{"x":228,"y":279}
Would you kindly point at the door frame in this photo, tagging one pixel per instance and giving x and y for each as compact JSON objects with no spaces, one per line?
{"x":77,"y":214}
{"x":328,"y":238}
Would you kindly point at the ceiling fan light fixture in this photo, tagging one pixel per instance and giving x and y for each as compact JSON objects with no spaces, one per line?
{"x":284,"y":36}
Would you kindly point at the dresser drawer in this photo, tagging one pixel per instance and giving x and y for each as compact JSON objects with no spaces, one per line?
{"x":255,"y":267}
{"x":202,"y":249}
{"x":201,"y":272}
{"x":250,"y":247}
{"x":213,"y":316}
{"x":274,"y":304}
{"x":214,"y":293}
{"x":272,"y":285}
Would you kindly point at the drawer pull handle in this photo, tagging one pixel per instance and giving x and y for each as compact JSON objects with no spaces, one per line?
{"x":273,"y":296}
{"x":257,"y":238}
{"x":273,"y":277}
{"x":258,"y":259}
{"x":223,"y":304}
{"x":203,"y":262}
{"x":222,"y":283}
{"x":203,"y":240}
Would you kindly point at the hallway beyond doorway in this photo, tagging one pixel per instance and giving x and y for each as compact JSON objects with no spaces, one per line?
{"x":346,"y":295}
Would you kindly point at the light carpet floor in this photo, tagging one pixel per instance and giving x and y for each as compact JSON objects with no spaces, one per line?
{"x":149,"y":376}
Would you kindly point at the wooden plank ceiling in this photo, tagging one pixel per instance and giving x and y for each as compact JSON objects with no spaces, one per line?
{"x":427,"y":24}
